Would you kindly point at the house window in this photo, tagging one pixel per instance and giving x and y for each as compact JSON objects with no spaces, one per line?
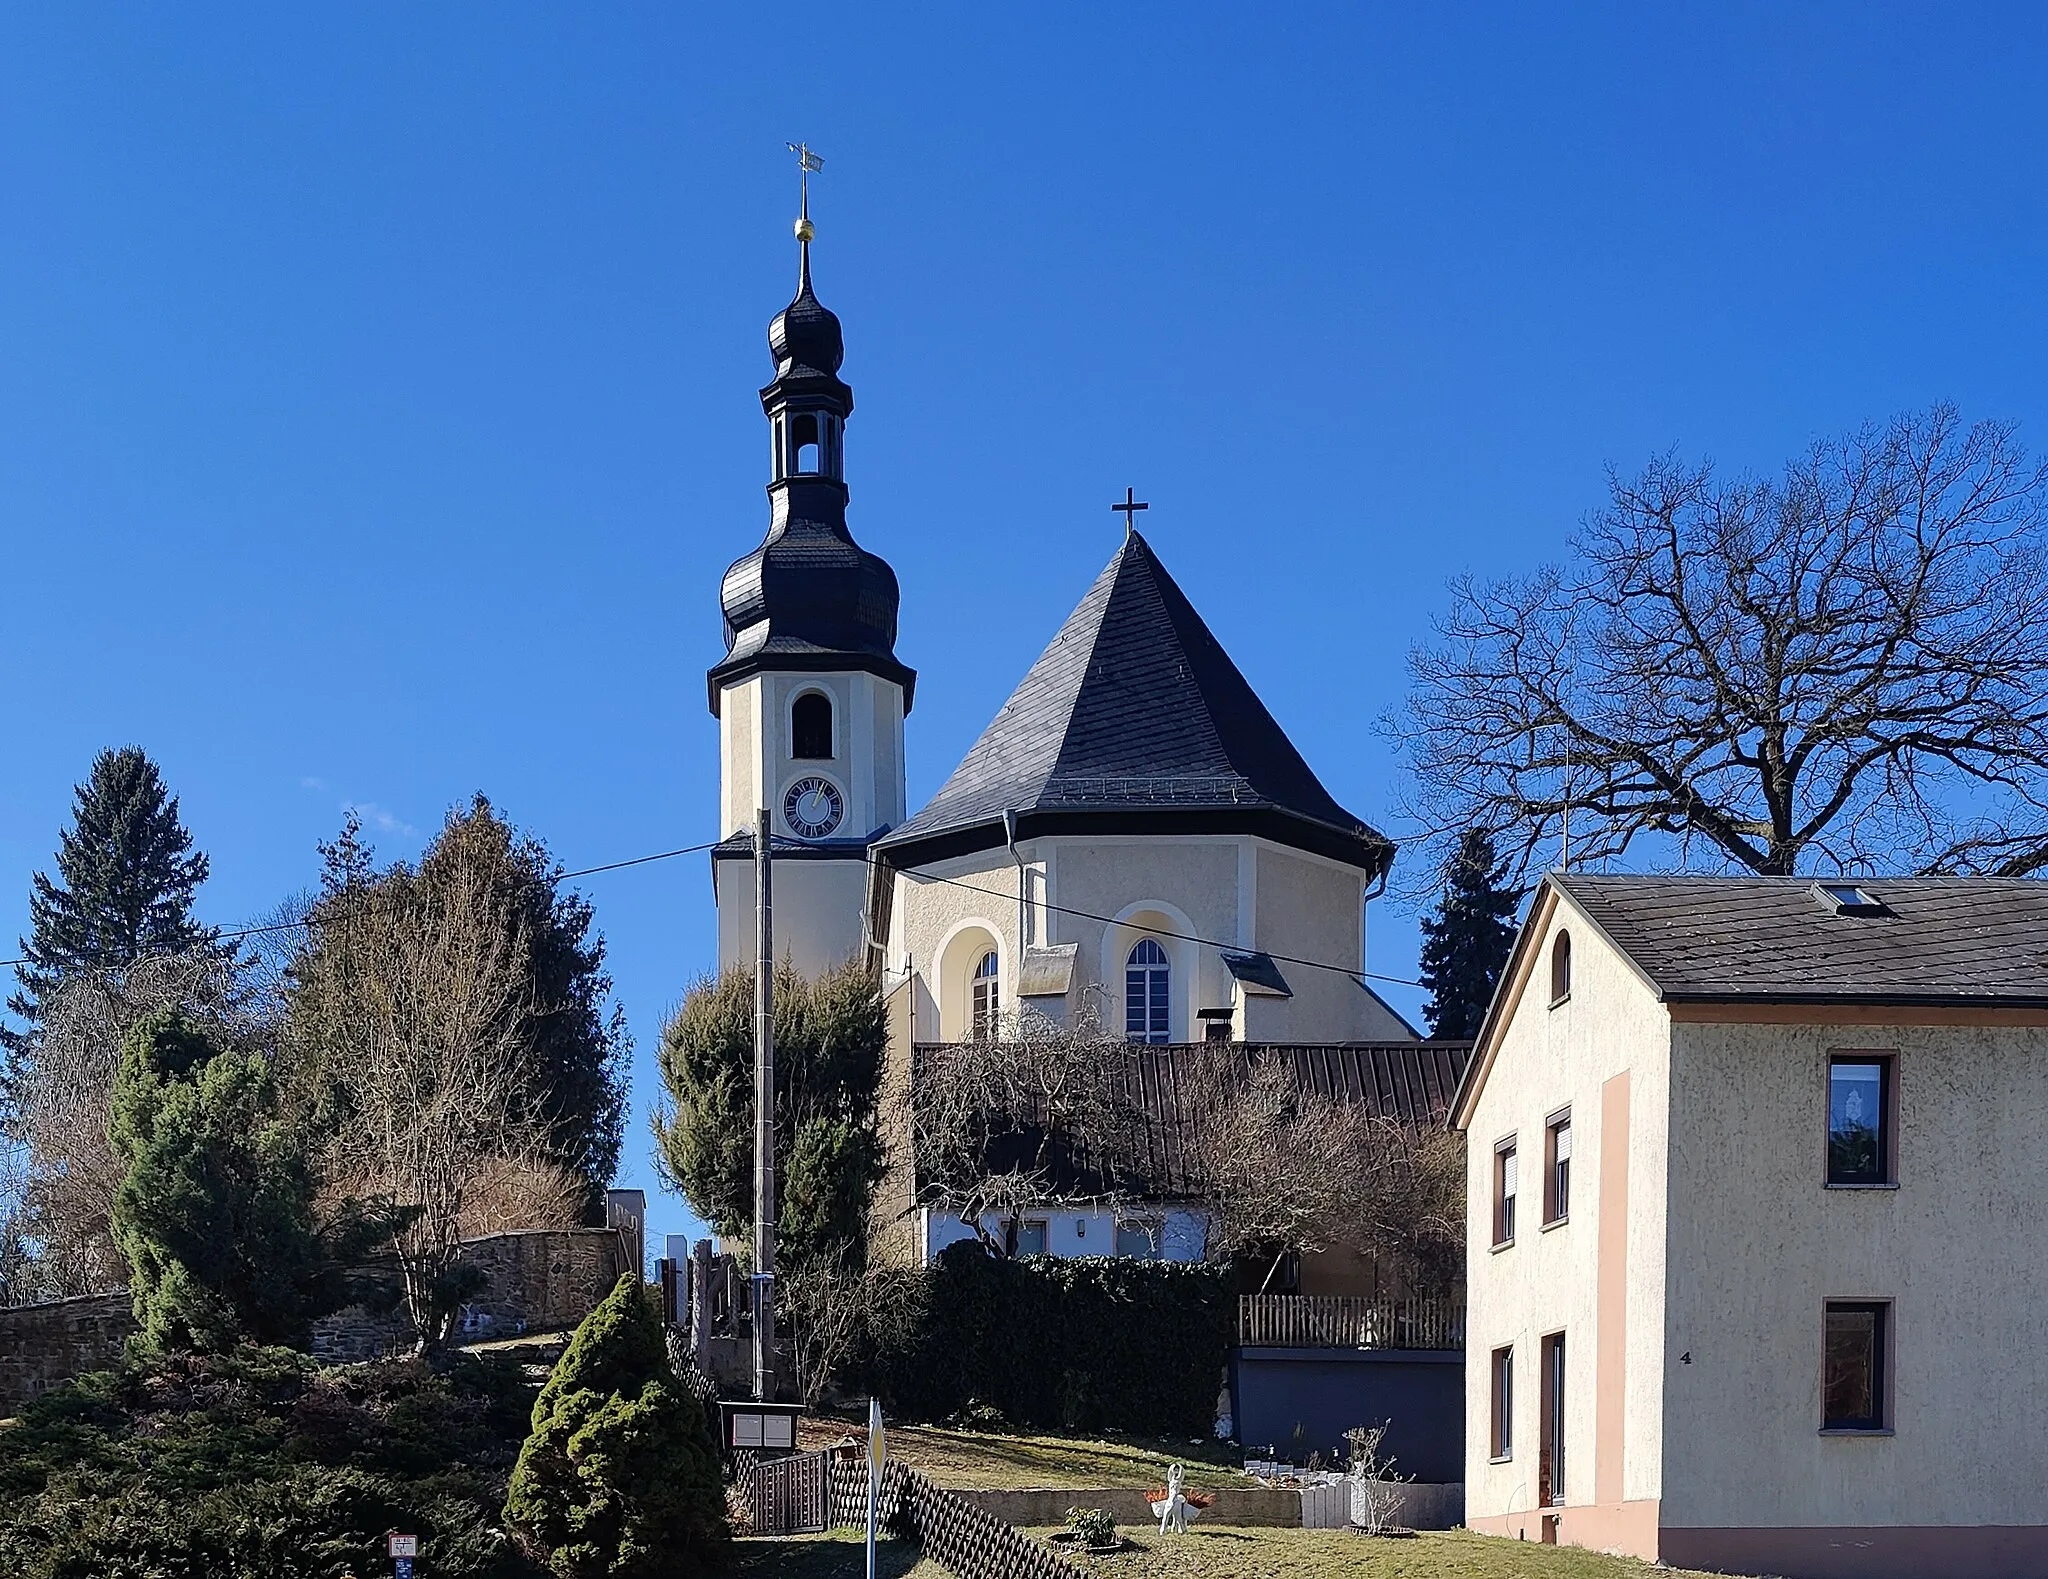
{"x":1031,"y":1237}
{"x":810,"y":727}
{"x":1146,"y":994}
{"x":1504,"y":1192}
{"x":1550,"y":1447}
{"x":1859,"y":1119}
{"x":1853,"y":1377}
{"x":1503,"y":1404}
{"x":1557,"y":1167}
{"x":1139,"y":1240}
{"x":985,"y":993}
{"x":1561,"y":968}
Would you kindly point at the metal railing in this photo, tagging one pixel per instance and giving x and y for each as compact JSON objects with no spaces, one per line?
{"x":1343,"y":1321}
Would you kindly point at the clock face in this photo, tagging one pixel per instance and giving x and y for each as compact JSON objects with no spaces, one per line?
{"x":813,"y":807}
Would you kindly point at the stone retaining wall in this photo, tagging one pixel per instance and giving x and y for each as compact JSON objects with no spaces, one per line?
{"x":42,"y":1345}
{"x":537,"y":1280}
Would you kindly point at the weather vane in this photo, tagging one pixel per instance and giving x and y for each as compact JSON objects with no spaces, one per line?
{"x":809,"y":164}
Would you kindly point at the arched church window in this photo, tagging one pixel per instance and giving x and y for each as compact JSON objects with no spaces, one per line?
{"x":985,"y":996}
{"x":810,"y":727}
{"x":1147,"y":993}
{"x":1561,"y":968}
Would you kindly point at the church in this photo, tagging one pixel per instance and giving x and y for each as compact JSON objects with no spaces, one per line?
{"x":1132,"y":843}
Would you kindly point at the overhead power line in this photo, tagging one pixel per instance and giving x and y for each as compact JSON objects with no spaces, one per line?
{"x":237,"y":933}
{"x":1182,"y":937}
{"x":923,"y":876}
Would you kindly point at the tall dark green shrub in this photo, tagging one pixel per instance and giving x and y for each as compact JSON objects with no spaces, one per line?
{"x":215,"y":1212}
{"x":830,"y":1037}
{"x":126,"y":875}
{"x":1066,"y":1344}
{"x":1465,"y":945}
{"x":620,"y":1476}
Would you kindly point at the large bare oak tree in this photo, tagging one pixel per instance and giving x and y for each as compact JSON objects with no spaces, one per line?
{"x":1845,"y":667}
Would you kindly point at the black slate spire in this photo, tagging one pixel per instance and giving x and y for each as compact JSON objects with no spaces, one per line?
{"x":809,"y":598}
{"x":1135,"y":720}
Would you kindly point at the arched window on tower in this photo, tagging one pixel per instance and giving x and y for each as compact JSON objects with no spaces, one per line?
{"x":806,"y":450}
{"x":810,"y":727}
{"x":986,"y":996}
{"x":1147,"y":994}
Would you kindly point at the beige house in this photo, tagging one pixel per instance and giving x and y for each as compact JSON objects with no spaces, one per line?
{"x":1755,"y":1252}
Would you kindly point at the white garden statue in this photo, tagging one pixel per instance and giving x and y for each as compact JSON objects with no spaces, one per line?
{"x":1174,"y":1509}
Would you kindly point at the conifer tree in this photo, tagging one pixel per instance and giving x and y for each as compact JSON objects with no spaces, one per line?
{"x":620,"y":1476}
{"x":126,"y":874}
{"x":1465,"y":944}
{"x":215,"y":1215}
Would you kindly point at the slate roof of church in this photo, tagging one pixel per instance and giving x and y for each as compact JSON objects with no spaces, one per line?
{"x":1134,"y":718}
{"x":1772,"y":939}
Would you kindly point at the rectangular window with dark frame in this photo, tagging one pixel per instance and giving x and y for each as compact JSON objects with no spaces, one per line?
{"x":1557,"y":1167}
{"x":1854,"y":1376}
{"x":1503,"y":1438}
{"x":1504,"y":1192}
{"x":1550,"y":1425}
{"x":1859,"y":1119}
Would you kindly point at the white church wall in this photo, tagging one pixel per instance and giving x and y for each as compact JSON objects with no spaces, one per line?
{"x":1171,"y":889}
{"x":738,"y":751}
{"x":818,"y":912}
{"x":1313,"y":909}
{"x":937,"y":904}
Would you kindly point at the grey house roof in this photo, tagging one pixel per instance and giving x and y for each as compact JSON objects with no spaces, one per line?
{"x":1134,"y":719}
{"x":1773,"y":939}
{"x":1410,"y":1083}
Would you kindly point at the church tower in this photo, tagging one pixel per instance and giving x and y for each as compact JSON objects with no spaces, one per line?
{"x":810,"y":697}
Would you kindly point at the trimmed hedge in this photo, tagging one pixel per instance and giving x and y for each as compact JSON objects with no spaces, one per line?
{"x":1075,"y":1344}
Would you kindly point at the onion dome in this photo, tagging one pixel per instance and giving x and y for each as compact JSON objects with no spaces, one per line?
{"x":809,"y":598}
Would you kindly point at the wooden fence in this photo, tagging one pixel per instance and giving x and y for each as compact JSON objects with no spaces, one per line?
{"x":1340,"y":1321}
{"x":788,"y":1496}
{"x":959,"y":1536}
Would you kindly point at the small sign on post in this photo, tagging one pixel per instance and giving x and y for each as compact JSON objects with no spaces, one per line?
{"x":403,"y":1549}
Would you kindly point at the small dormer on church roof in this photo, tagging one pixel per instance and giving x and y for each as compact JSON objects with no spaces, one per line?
{"x":1134,"y":720}
{"x":810,"y":597}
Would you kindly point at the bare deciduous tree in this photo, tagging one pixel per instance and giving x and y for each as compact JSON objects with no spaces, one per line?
{"x":833,"y":1309}
{"x":1848,"y":664}
{"x":60,"y":1171}
{"x":1032,"y":1118}
{"x":1281,"y":1167}
{"x":411,"y":1006}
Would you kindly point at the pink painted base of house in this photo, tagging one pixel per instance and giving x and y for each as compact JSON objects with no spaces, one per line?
{"x":1884,"y":1552}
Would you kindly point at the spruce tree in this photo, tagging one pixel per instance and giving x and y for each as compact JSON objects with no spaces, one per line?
{"x":126,"y":874}
{"x":1465,"y":944}
{"x":620,"y":1476}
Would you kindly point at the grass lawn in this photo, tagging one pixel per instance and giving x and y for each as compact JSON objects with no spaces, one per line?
{"x":842,"y":1554}
{"x":990,"y":1461}
{"x":1338,"y":1554}
{"x":1230,"y":1554}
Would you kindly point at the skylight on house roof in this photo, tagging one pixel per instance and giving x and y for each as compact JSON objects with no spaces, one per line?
{"x":1847,"y":899}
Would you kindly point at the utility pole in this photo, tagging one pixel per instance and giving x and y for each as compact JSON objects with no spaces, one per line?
{"x":764,"y":1115}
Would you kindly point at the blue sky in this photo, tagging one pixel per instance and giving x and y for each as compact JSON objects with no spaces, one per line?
{"x":377,"y":382}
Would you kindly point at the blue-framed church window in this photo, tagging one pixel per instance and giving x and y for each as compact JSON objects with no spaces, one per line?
{"x":1147,"y":990}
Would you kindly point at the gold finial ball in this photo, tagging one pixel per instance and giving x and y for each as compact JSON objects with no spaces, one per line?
{"x":804,"y":230}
